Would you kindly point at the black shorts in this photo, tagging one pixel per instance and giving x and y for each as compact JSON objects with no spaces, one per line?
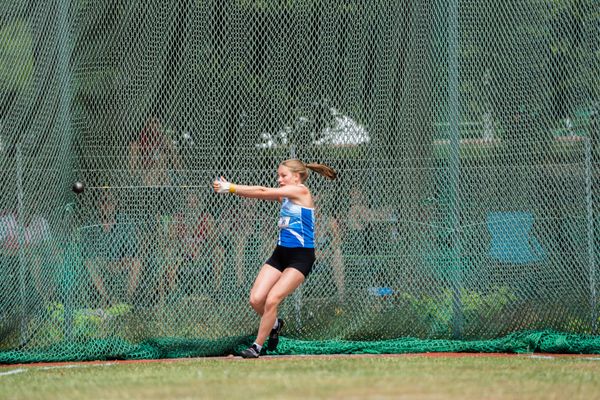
{"x":300,"y":258}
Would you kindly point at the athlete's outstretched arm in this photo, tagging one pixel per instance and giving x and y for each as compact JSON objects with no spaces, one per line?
{"x":260,"y":192}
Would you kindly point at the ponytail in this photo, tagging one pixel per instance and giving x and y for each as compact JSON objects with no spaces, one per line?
{"x":323,"y":170}
{"x":298,"y":166}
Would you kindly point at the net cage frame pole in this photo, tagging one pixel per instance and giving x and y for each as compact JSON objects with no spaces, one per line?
{"x":21,"y":244}
{"x":454,"y":164}
{"x":65,"y":82}
{"x":590,"y":231}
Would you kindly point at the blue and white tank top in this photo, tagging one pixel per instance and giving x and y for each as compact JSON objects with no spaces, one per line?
{"x":296,"y":225}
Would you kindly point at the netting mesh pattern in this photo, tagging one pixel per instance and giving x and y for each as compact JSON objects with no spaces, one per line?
{"x":465,"y":134}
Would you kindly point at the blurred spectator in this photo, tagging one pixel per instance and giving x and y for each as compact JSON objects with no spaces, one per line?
{"x":328,"y":248}
{"x":237,"y":229}
{"x":44,"y":255}
{"x":153,"y":156}
{"x":169,"y":253}
{"x":40,"y":253}
{"x":8,"y":231}
{"x":113,"y":252}
{"x":202,"y":251}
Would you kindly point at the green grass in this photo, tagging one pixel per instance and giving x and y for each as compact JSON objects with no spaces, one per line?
{"x":409,"y":377}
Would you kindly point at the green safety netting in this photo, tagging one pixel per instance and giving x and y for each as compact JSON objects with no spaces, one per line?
{"x":465,"y":134}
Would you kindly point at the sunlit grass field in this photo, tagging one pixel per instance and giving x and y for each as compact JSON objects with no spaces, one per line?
{"x":343,"y":377}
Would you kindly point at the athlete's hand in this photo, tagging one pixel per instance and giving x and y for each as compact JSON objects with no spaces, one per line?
{"x":220,"y":185}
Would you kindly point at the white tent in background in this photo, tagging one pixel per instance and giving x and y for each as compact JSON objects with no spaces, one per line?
{"x":344,"y":131}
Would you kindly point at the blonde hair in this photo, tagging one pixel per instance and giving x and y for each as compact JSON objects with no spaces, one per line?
{"x":302,"y":169}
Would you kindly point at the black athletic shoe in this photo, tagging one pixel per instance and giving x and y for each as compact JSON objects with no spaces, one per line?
{"x":274,"y":336}
{"x":250,"y":352}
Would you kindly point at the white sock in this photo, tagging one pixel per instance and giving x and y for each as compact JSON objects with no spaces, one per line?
{"x":276,"y":323}
{"x":257,"y":346}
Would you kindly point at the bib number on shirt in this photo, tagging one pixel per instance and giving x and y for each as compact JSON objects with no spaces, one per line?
{"x":284,"y":222}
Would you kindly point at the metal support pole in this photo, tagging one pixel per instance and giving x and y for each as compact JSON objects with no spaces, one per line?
{"x":454,"y":120}
{"x":21,"y":241}
{"x":590,"y":233}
